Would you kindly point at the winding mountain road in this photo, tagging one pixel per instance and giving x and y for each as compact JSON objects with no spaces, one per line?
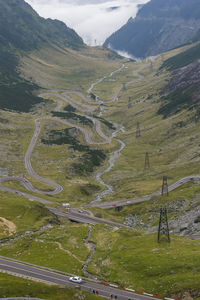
{"x":51,"y":276}
{"x":56,"y":188}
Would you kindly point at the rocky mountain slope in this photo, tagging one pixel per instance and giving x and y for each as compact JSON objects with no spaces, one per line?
{"x":182,"y":91}
{"x":159,"y":26}
{"x":21,"y":31}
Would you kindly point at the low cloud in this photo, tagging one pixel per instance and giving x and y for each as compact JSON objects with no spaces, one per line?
{"x":93,"y":20}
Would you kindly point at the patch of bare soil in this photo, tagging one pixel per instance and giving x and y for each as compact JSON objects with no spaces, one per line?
{"x":7,"y":227}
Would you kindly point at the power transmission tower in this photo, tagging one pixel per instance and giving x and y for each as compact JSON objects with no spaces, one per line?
{"x":165,"y":186}
{"x":118,"y":208}
{"x":124,"y":86}
{"x":163,"y":228}
{"x":129,"y":102}
{"x":129,"y":105}
{"x":138,"y":133}
{"x":151,"y":66}
{"x":147,"y":164}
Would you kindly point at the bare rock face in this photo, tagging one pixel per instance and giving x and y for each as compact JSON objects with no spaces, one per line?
{"x":183,"y":89}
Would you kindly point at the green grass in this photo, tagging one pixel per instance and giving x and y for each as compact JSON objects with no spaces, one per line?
{"x":135,"y":260}
{"x":182,"y":59}
{"x":61,"y":247}
{"x":19,"y":96}
{"x":55,"y":68}
{"x":69,"y":108}
{"x":90,"y":158}
{"x":172,"y":148}
{"x":148,"y":211}
{"x":26,"y":215}
{"x":178,"y":100}
{"x":70,"y":115}
{"x":11,"y":286}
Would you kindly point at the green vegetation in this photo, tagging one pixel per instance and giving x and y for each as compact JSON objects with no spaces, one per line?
{"x":107,"y":123}
{"x":18,"y":96}
{"x":88,"y":161}
{"x":172,"y":148}
{"x":61,"y":247}
{"x":25,"y":216}
{"x":11,"y":286}
{"x":182,"y":59}
{"x":127,"y":257}
{"x":69,"y":108}
{"x":24,"y":29}
{"x":70,"y":115}
{"x":135,"y":260}
{"x":177,"y":101}
{"x":146,"y":214}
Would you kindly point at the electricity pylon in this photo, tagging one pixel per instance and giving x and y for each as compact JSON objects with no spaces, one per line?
{"x":147,"y":164}
{"x":163,"y":228}
{"x":138,"y":133}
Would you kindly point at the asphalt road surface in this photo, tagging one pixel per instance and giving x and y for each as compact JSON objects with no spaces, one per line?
{"x":111,"y":204}
{"x":50,"y":276}
{"x":83,"y":218}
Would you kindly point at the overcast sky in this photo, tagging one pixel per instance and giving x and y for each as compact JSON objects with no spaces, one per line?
{"x":93,"y":20}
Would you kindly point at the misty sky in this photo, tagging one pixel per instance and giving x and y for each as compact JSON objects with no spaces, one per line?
{"x":93,"y":20}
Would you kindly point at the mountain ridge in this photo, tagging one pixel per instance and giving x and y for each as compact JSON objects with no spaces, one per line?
{"x":22,"y":30}
{"x":158,"y":27}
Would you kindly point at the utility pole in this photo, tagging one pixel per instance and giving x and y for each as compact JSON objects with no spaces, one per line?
{"x":163,"y":228}
{"x":147,"y":164}
{"x":165,"y":186}
{"x":138,"y":133}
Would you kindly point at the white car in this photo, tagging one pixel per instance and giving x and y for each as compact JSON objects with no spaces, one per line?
{"x":76,"y":279}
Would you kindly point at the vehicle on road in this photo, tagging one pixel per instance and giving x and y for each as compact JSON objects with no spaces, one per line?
{"x":76,"y":279}
{"x":66,"y":205}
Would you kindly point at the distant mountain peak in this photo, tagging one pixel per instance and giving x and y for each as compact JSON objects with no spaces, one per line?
{"x":160,"y":25}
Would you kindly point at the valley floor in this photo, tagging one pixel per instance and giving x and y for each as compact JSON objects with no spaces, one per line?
{"x":86,"y":146}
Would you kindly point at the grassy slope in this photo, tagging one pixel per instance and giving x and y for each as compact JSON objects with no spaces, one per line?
{"x":174,"y":159}
{"x":137,"y":261}
{"x":16,"y":287}
{"x":61,"y":69}
{"x":57,"y":68}
{"x":60,"y":247}
{"x":171,"y":143}
{"x":21,"y":31}
{"x":182,"y":59}
{"x":26,"y":215}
